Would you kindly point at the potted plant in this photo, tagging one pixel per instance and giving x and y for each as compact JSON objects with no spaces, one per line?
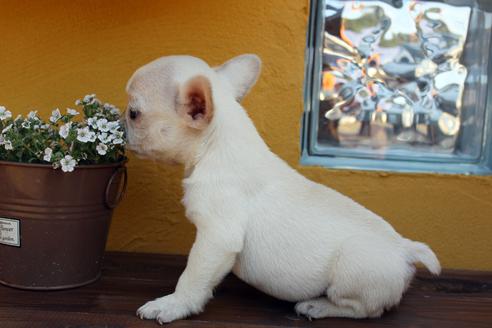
{"x":59,"y":182}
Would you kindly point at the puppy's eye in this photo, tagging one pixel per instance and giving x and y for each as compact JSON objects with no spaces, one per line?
{"x":134,"y":113}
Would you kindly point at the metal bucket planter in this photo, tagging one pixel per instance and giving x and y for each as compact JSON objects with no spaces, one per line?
{"x":54,"y":225}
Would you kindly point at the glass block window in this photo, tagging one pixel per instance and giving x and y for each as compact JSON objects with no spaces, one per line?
{"x":399,"y":85}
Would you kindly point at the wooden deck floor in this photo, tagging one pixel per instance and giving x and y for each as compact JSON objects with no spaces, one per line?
{"x":456,"y":299}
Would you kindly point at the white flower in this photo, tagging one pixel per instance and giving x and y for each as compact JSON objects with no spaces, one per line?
{"x":118,"y":141}
{"x":4,"y":113}
{"x":72,"y":112}
{"x":84,"y":135}
{"x":113,"y":109}
{"x":102,"y":125}
{"x":106,"y":138}
{"x":55,"y":115}
{"x":48,"y":152}
{"x":65,"y":130}
{"x":92,"y":122}
{"x":8,"y":127}
{"x":26,"y":124}
{"x":114,"y":126}
{"x":102,"y":149}
{"x":67,"y":163}
{"x":8,"y":145}
{"x":103,"y":137}
{"x":92,"y":136}
{"x":45,"y":126}
{"x":78,"y":102}
{"x":33,"y":115}
{"x":89,"y":98}
{"x":36,"y":127}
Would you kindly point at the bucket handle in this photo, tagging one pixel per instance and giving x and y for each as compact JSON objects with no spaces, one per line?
{"x":119,"y":197}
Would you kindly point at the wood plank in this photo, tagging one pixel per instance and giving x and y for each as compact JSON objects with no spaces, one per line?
{"x":456,"y":299}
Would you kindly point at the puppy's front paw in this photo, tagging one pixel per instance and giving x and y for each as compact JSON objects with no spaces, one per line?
{"x":164,"y":309}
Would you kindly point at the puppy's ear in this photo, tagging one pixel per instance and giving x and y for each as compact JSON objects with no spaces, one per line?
{"x":195,"y":104}
{"x":241,"y":72}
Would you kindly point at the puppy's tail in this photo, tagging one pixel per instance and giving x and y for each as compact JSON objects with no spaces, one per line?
{"x":420,"y":252}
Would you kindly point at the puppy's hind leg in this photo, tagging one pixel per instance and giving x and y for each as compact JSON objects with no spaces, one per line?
{"x":367,"y":277}
{"x":322,"y":307}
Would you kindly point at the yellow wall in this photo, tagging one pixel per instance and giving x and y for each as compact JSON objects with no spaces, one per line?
{"x":52,"y":52}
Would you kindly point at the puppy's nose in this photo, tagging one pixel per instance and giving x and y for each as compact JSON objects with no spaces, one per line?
{"x":134,"y":113}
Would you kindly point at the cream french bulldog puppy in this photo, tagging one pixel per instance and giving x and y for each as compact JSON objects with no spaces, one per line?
{"x":291,"y":238}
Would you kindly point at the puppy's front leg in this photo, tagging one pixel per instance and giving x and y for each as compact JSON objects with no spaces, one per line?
{"x":209,"y":261}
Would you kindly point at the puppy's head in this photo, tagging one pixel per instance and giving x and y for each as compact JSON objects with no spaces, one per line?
{"x":173,"y":101}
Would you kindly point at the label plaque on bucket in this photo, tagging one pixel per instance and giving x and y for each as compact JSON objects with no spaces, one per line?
{"x":10,"y":232}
